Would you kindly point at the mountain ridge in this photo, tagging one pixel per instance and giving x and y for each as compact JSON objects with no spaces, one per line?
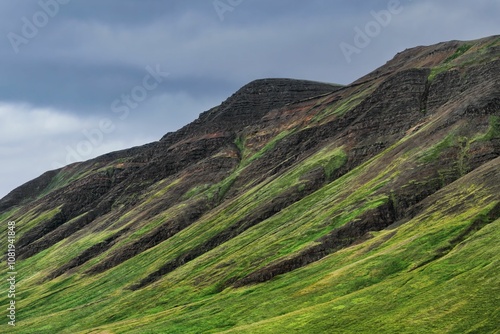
{"x":282,"y":178}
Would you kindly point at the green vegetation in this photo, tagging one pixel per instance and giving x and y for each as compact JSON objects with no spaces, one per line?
{"x":429,"y":262}
{"x":224,"y":186}
{"x":392,"y":283}
{"x":195,"y":191}
{"x":160,"y":190}
{"x":463,"y":155}
{"x":493,"y":130}
{"x":460,"y":51}
{"x":433,"y":153}
{"x":61,"y":179}
{"x":462,"y":145}
{"x":465,"y":56}
{"x":240,"y":144}
{"x":343,"y":106}
{"x":334,"y":164}
{"x":438,"y":70}
{"x":379,"y":280}
{"x":269,"y":146}
{"x":196,"y":283}
{"x":32,"y":219}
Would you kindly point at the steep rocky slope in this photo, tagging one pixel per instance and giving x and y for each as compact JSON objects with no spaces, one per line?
{"x":293,"y":205}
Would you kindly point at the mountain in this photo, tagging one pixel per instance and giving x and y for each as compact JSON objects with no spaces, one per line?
{"x":294,"y":206}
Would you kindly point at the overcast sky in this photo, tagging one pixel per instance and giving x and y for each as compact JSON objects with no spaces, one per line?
{"x":81,"y":78}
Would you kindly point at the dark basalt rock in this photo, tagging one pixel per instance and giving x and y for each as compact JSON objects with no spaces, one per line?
{"x":249,"y":104}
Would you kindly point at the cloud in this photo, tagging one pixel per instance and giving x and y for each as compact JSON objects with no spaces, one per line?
{"x":33,"y":139}
{"x":28,"y":141}
{"x":64,"y":80}
{"x":24,"y":123}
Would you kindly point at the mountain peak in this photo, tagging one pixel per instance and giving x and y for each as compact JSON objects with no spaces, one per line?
{"x":251,"y":102}
{"x":444,"y":54}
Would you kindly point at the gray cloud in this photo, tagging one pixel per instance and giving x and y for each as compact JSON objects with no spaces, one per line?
{"x":91,"y":52}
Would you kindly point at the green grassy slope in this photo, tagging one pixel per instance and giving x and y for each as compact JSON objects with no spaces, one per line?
{"x":427,"y":193}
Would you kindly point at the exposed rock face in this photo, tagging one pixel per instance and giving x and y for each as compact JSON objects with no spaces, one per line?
{"x":249,"y":104}
{"x":429,"y":117}
{"x":27,"y":191}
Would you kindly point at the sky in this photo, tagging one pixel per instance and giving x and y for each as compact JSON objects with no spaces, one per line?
{"x":80,"y":78}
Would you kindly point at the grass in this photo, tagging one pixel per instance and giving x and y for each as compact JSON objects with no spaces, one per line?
{"x":240,"y":144}
{"x":369,"y":287}
{"x":464,"y":56}
{"x":268,"y":147}
{"x":460,"y":51}
{"x":435,"y":71}
{"x":334,"y":164}
{"x":70,"y":174}
{"x":33,"y":218}
{"x":290,"y":231}
{"x":432,"y":274}
{"x":493,"y":131}
{"x":434,"y":152}
{"x":386,"y":284}
{"x":353,"y":293}
{"x":344,"y":106}
{"x":195,"y":191}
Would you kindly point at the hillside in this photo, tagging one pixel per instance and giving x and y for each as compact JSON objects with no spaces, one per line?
{"x":294,"y":206}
